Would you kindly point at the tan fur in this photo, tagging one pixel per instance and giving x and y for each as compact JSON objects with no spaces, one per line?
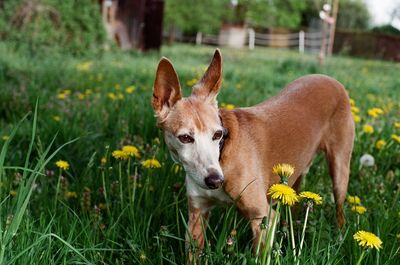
{"x":311,"y":114}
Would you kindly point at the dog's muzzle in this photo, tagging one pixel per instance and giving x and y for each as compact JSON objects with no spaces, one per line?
{"x":214,"y":180}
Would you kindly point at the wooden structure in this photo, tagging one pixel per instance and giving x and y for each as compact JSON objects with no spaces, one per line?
{"x":134,"y":24}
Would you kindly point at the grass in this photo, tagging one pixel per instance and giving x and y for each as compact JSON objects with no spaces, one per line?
{"x":99,"y":103}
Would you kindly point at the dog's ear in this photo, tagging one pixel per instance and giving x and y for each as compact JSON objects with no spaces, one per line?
{"x":211,"y":81}
{"x":166,"y":90}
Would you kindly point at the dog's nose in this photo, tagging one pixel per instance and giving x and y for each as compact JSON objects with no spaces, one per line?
{"x":214,"y":180}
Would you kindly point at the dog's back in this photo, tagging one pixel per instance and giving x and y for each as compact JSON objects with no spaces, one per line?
{"x":311,"y":114}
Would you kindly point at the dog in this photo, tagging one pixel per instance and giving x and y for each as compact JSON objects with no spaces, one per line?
{"x":228,"y":155}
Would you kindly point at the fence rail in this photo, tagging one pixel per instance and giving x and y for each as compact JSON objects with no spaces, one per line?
{"x":302,"y":41}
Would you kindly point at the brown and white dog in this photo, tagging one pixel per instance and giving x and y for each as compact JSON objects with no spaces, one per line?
{"x":228,"y":155}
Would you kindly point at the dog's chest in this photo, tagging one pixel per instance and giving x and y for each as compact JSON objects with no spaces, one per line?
{"x":206,"y":199}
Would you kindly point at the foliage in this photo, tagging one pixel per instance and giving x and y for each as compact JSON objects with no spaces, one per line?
{"x":353,"y":14}
{"x":103,"y":210}
{"x":388,"y":29}
{"x":207,"y":16}
{"x":73,"y":25}
{"x":276,"y":13}
{"x":192,"y":16}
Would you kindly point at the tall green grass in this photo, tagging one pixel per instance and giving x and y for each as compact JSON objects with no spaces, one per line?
{"x":146,"y":223}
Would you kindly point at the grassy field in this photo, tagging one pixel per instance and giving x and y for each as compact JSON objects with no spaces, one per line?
{"x":103,"y":210}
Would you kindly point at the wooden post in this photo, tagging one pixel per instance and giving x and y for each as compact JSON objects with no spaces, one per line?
{"x":301,"y":41}
{"x":333,"y":26}
{"x":252,"y":39}
{"x":199,"y":38}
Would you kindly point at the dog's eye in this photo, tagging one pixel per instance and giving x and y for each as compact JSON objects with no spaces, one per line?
{"x":217,"y":135}
{"x":185,"y":138}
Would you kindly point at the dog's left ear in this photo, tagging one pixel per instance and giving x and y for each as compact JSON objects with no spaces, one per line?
{"x":211,"y":81}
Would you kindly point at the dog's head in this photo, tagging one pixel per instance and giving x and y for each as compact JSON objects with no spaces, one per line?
{"x":191,"y":125}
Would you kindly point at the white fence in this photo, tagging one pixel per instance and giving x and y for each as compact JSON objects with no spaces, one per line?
{"x":302,"y":41}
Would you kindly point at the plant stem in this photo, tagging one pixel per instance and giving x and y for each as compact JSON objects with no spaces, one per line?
{"x":361,"y":258}
{"x":303,"y":234}
{"x":259,"y":243}
{"x":271,"y":236}
{"x":120,"y":184}
{"x":128,"y":173}
{"x":57,"y":189}
{"x":292,"y":233}
{"x":105,"y":190}
{"x":2,"y":249}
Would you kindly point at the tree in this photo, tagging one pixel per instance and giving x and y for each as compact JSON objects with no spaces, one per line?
{"x":275,"y":13}
{"x":353,"y":14}
{"x":192,"y":16}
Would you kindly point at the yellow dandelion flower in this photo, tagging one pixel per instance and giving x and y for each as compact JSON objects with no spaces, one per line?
{"x":67,"y":92}
{"x":283,"y":193}
{"x":380,"y":144}
{"x":228,"y":106}
{"x":13,"y":193}
{"x":353,"y":199}
{"x":80,"y":96}
{"x":84,"y":67}
{"x":112,"y":96}
{"x":62,"y":164}
{"x":396,"y":137}
{"x":316,"y":198}
{"x":375,"y":112}
{"x":119,"y":154}
{"x":88,"y":92}
{"x":356,"y":118}
{"x":56,"y":118}
{"x":62,"y":95}
{"x":368,"y":240}
{"x":120,"y":95}
{"x":71,"y":195}
{"x":131,"y":150}
{"x":368,"y":129}
{"x":177,"y":169}
{"x":5,"y":137}
{"x":103,"y":161}
{"x":397,"y":124}
{"x":354,"y":109}
{"x":143,"y":257}
{"x":130,"y":89}
{"x":352,"y":102}
{"x":283,"y":170}
{"x":151,"y":163}
{"x":358,"y":209}
{"x":192,"y":82}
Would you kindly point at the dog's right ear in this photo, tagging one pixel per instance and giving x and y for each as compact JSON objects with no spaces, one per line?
{"x":166,"y":90}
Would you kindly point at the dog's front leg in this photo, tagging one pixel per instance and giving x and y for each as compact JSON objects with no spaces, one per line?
{"x":252,"y":202}
{"x":196,"y":227}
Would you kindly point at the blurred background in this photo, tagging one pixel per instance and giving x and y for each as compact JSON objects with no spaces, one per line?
{"x":364,"y":28}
